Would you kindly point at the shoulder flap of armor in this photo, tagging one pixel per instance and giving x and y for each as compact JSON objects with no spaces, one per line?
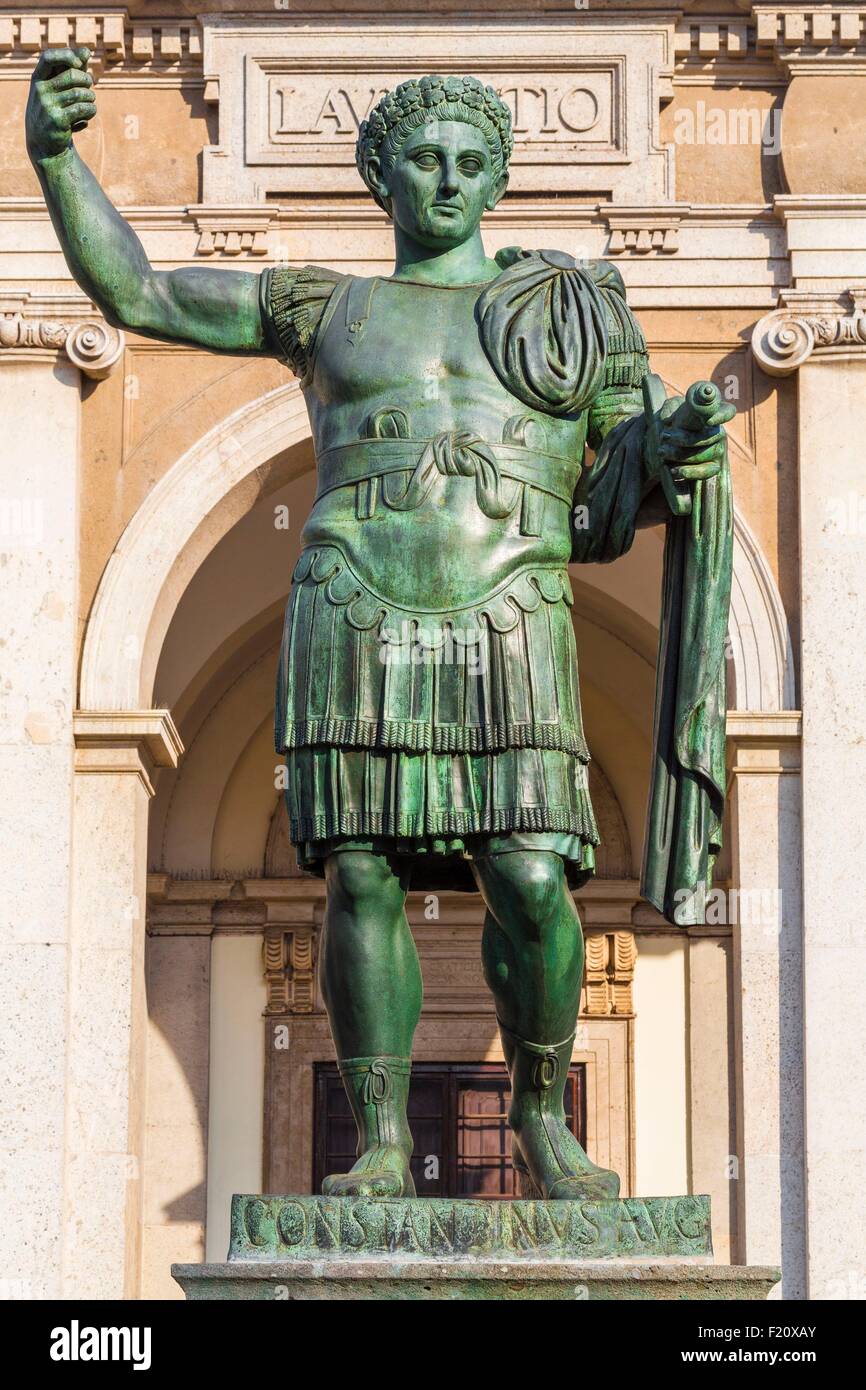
{"x":293,"y":301}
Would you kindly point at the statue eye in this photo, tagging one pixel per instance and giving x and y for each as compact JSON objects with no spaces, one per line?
{"x":470,"y":166}
{"x":426,"y":160}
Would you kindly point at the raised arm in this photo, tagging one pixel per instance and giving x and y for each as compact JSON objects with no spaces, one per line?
{"x":215,"y":309}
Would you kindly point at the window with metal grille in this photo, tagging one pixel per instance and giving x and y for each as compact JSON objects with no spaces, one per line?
{"x":457,"y":1112}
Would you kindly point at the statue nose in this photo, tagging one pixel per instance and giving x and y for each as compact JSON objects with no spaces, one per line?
{"x":448,"y":182}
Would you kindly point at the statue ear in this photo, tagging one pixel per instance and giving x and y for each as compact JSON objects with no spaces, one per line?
{"x":497,"y":191}
{"x":375,"y":180}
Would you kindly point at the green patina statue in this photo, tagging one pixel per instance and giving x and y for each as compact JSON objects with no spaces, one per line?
{"x":427,"y":699}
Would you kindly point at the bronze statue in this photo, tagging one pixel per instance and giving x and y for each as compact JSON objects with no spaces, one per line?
{"x":427,"y":698}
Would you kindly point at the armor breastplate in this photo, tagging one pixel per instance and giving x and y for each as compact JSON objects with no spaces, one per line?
{"x":435,"y":481}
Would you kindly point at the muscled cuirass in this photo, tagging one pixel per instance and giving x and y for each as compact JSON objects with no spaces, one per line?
{"x":436,"y":481}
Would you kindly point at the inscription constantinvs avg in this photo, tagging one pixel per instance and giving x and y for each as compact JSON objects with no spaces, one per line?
{"x":304,"y":1227}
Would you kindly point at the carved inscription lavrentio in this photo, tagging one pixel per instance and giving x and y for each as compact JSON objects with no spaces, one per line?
{"x":564,"y":109}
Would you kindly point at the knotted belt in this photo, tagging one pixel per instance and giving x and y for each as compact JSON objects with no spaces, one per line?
{"x":454,"y":453}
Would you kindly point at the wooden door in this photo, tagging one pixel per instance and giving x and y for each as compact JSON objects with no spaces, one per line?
{"x":457,"y":1112}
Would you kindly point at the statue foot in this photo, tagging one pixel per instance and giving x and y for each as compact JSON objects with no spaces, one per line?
{"x":525,"y":1186}
{"x":551,"y":1164}
{"x":548,"y":1161}
{"x":380,"y":1172}
{"x":600,"y":1186}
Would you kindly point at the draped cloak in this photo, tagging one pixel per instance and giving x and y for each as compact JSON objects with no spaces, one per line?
{"x":560,"y":336}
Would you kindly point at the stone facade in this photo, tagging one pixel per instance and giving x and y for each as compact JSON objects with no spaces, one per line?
{"x":154,"y":931}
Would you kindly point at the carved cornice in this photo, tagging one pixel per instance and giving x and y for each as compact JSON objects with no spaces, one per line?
{"x":114,"y":40}
{"x":794,"y":35}
{"x":812,"y":38}
{"x":764,"y":744}
{"x":33,"y":325}
{"x":764,"y":726}
{"x":810,"y":323}
{"x":225,"y":232}
{"x":229,"y":232}
{"x":135,"y":742}
{"x":640,"y":231}
{"x":287,"y":912}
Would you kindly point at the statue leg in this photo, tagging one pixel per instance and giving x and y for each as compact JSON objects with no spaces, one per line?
{"x":533,"y":961}
{"x":371,"y":984}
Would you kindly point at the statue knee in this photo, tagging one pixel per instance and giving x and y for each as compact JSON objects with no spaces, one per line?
{"x":526,"y":888}
{"x":358,"y":880}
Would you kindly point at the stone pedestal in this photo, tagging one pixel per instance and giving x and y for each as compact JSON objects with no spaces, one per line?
{"x":390,"y":1277}
{"x":320,"y":1248}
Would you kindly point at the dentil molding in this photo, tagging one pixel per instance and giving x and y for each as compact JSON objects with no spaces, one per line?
{"x":113,"y":39}
{"x":812,"y":37}
{"x":797,"y":36}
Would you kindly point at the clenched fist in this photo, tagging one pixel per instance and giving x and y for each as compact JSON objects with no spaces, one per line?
{"x":61,"y":101}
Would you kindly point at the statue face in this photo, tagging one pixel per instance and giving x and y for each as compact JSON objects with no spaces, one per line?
{"x":441,"y":184}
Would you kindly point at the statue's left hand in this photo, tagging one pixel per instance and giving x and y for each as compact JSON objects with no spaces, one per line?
{"x":685,"y":443}
{"x":691,"y":447}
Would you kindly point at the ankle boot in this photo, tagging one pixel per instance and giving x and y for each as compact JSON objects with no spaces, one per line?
{"x":378,"y":1090}
{"x":548,"y":1160}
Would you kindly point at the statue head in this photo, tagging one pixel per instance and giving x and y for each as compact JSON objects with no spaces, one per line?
{"x":434,"y":154}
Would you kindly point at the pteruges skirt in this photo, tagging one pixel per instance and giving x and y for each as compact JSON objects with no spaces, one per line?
{"x":401,"y":740}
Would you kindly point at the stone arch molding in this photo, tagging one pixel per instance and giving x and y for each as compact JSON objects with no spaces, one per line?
{"x":219,"y":479}
{"x":760,"y":641}
{"x":186,"y":514}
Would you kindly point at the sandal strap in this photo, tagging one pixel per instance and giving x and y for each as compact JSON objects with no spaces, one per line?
{"x":546,"y":1071}
{"x":378,"y":1072}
